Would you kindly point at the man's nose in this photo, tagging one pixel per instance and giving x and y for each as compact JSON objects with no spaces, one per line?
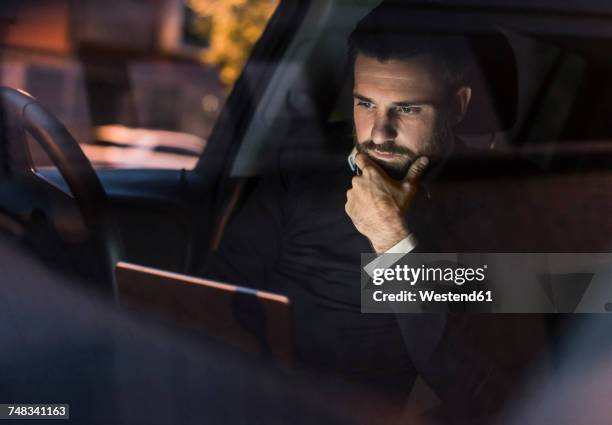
{"x":384,"y":129}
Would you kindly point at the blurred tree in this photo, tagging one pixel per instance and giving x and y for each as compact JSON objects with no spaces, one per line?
{"x":233,"y":27}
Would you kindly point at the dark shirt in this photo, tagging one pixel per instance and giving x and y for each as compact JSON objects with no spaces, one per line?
{"x":293,"y":236}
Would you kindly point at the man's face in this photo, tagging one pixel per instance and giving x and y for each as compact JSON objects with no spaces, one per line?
{"x":400,"y":112}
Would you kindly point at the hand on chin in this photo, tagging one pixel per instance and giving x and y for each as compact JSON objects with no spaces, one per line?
{"x":377,"y":203}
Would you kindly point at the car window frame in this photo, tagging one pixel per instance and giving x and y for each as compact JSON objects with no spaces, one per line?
{"x":215,"y":163}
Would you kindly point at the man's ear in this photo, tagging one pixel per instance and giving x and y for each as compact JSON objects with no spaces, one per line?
{"x":462,"y":101}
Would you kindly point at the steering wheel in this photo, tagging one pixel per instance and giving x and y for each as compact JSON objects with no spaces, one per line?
{"x":38,"y":204}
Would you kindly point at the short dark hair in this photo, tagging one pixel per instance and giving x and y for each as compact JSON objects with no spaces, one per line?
{"x":383,"y":34}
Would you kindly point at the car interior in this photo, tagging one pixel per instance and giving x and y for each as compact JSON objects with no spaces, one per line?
{"x":538,"y":127}
{"x":297,"y":79}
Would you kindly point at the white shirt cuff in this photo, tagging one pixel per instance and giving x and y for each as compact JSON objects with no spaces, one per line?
{"x":404,"y":246}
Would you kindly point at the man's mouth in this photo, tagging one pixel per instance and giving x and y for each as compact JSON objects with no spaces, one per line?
{"x":385,"y":156}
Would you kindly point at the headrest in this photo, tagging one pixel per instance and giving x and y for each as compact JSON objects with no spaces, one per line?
{"x":494,"y":83}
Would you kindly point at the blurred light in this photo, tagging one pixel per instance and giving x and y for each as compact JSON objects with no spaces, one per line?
{"x":210,"y":103}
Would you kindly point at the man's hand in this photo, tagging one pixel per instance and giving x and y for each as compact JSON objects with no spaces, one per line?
{"x":377,"y":204}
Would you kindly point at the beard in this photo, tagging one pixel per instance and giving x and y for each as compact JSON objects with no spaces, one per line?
{"x":435,"y":148}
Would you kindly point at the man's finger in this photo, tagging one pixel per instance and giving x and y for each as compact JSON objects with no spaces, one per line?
{"x":363,"y":162}
{"x":417,"y":169}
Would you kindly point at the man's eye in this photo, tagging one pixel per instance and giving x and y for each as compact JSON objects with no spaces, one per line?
{"x":410,"y":110}
{"x":367,"y":105}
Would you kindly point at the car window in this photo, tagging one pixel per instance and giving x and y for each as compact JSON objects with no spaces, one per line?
{"x":524,"y":171}
{"x":138,"y":84}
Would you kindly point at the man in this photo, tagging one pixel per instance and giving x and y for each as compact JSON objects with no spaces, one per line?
{"x":407,"y":94}
{"x":303,"y":229}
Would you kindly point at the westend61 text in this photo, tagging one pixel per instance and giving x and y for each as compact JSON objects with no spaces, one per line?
{"x":432,"y":296}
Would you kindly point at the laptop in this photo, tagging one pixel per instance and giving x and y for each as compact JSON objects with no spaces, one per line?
{"x":251,"y":320}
